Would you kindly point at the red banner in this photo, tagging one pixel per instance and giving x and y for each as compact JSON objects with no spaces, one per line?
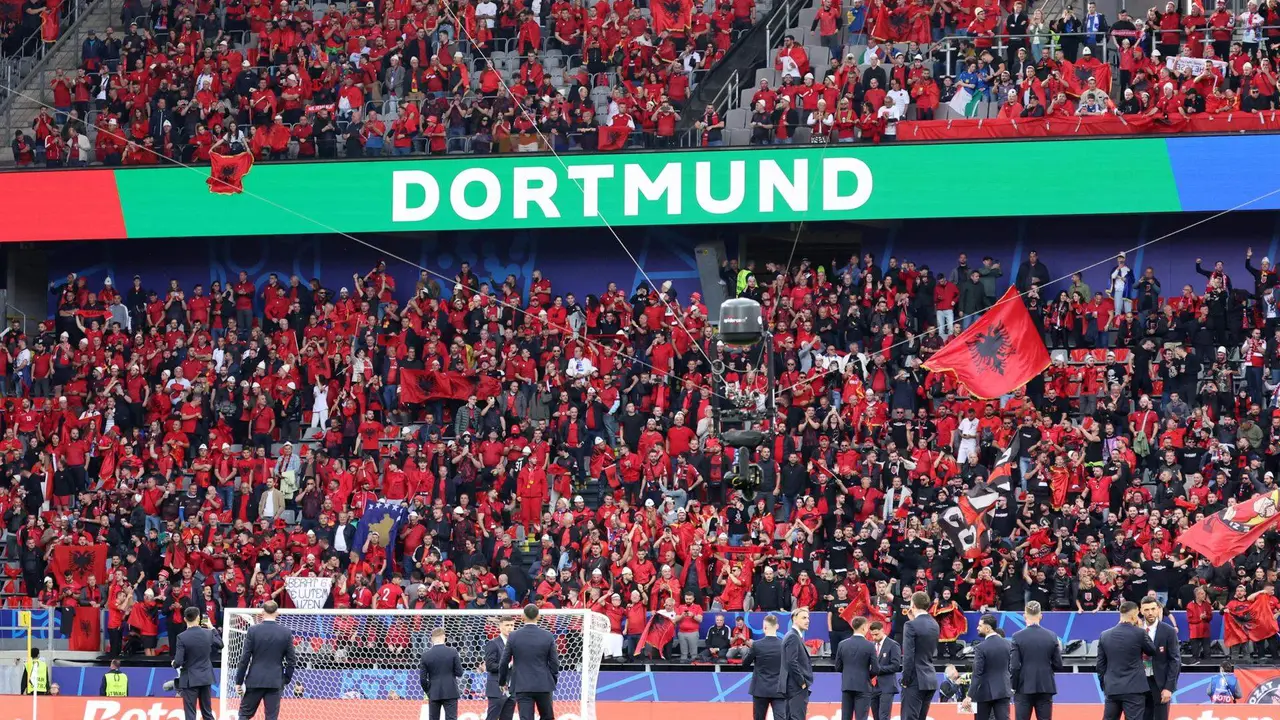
{"x":170,"y":708}
{"x":999,"y":353}
{"x":1228,"y":533}
{"x":419,"y":386}
{"x":226,"y":172}
{"x":1253,"y":621}
{"x":86,"y":632}
{"x":670,"y":15}
{"x":81,"y":561}
{"x":1093,"y":125}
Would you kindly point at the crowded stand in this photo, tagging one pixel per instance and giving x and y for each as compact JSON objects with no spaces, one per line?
{"x":297,"y":81}
{"x":562,"y":450}
{"x":293,"y":80}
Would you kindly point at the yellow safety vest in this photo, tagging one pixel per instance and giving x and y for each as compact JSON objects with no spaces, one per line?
{"x":37,"y":677}
{"x":117,"y":684}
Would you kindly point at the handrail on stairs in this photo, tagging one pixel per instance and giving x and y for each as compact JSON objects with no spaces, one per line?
{"x":14,"y":80}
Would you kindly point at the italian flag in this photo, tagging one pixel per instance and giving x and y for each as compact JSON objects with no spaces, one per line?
{"x":965,"y":103}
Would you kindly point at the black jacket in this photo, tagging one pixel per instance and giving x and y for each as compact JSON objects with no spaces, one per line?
{"x":530,"y":661}
{"x":438,"y":673}
{"x":1037,"y":655}
{"x":1120,"y":669}
{"x":267,"y":659}
{"x":856,"y":663}
{"x":768,"y":672}
{"x":919,"y":644}
{"x":193,"y":656}
{"x":991,"y":670}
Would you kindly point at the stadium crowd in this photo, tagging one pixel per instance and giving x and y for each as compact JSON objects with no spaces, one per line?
{"x":190,"y":78}
{"x":220,"y":439}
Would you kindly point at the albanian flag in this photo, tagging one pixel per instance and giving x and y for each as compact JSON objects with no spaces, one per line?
{"x":999,"y":353}
{"x":658,"y":633}
{"x":1249,"y":620}
{"x":860,"y":604}
{"x":890,"y":24}
{"x":81,"y":561}
{"x":86,"y":630}
{"x":952,"y":624}
{"x":1226,"y":534}
{"x":419,"y":386}
{"x":226,"y":173}
{"x":1076,"y":75}
{"x":670,"y":14}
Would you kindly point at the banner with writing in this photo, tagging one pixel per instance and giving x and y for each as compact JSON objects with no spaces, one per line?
{"x":308,"y":593}
{"x":1195,"y":66}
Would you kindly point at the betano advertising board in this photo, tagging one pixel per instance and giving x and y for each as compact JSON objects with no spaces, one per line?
{"x":71,"y":708}
{"x":690,"y":187}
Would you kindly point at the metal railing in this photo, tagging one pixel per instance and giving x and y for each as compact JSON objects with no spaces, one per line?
{"x":777,"y":27}
{"x":44,"y":629}
{"x":953,"y":44}
{"x":730,"y":94}
{"x":15,"y":74}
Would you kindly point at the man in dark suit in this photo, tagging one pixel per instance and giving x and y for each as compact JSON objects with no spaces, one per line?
{"x":799,"y":666}
{"x":532,"y":665}
{"x":888,"y":665}
{"x":991,"y":686}
{"x":1119,"y":666}
{"x":266,"y":665}
{"x":1166,"y":663}
{"x":501,"y":705}
{"x":438,"y":673}
{"x":856,"y":663}
{"x":768,"y":686}
{"x":193,"y":659}
{"x":1036,"y":657}
{"x":919,"y":644}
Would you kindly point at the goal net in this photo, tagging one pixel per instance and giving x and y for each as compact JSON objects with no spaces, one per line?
{"x":372,"y":656}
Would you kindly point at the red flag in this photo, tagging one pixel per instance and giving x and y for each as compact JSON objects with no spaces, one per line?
{"x":81,"y":561}
{"x":1075,"y":76}
{"x":226,"y":172}
{"x":952,"y":624}
{"x":419,"y":386}
{"x":657,"y":633}
{"x":860,"y":604}
{"x":86,"y":630}
{"x":1258,"y":685}
{"x":1226,"y":534}
{"x":670,"y":15}
{"x":1254,"y":620}
{"x":997,"y":354}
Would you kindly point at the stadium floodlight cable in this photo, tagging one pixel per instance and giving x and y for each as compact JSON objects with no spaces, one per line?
{"x":462,"y":28}
{"x":372,"y":656}
{"x":204,"y":173}
{"x":1020,"y":295}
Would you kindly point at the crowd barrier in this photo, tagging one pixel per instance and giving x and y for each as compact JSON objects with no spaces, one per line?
{"x":66,"y":708}
{"x":730,"y":684}
{"x":1084,"y":126}
{"x":1068,"y":625}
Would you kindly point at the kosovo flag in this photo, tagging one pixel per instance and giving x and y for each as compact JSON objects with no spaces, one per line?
{"x":385,"y":518}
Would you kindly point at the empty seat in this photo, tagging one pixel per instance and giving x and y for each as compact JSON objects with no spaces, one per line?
{"x":736,"y":118}
{"x":819,"y":55}
{"x":767,"y":73}
{"x":744,"y":100}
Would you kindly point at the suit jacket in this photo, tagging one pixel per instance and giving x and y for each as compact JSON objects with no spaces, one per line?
{"x":768,"y":671}
{"x":1166,"y":663}
{"x":267,"y":659}
{"x":856,"y":663}
{"x":278,"y":500}
{"x":492,"y":664}
{"x":1037,"y":655}
{"x":438,"y":673}
{"x":193,"y":656}
{"x":889,"y":664}
{"x":1119,"y":665}
{"x":919,"y":644}
{"x":991,"y":679}
{"x":530,"y":661}
{"x":796,"y":658}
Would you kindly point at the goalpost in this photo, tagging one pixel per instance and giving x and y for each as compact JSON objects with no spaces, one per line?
{"x":372,"y":656}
